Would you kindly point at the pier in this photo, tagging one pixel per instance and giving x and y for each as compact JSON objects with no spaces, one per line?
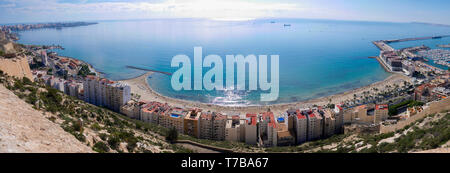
{"x":415,"y":39}
{"x":143,"y":69}
{"x":444,"y":46}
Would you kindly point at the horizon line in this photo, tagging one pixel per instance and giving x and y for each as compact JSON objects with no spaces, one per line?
{"x":227,"y":20}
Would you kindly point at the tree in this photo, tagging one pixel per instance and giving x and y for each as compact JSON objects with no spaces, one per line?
{"x":172,"y":135}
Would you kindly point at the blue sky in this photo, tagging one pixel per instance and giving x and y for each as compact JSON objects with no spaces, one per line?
{"x":18,"y":11}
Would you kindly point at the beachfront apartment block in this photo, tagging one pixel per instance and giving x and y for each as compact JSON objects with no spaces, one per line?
{"x":381,"y":113}
{"x":285,"y":137}
{"x":251,"y":129}
{"x":339,"y":118}
{"x":151,"y":112}
{"x":329,"y":126}
{"x":313,"y":125}
{"x":300,"y":126}
{"x":359,"y":114}
{"x":369,"y":114}
{"x":174,"y":119}
{"x":212,"y":126}
{"x":192,"y":123}
{"x":103,"y":92}
{"x":219,"y":122}
{"x":234,"y":129}
{"x":267,"y":129}
{"x":132,"y":109}
{"x":318,"y":130}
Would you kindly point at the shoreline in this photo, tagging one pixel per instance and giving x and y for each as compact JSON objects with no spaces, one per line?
{"x":139,"y":85}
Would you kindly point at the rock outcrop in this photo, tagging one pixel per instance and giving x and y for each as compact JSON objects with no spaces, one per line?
{"x":24,"y":129}
{"x":17,"y":67}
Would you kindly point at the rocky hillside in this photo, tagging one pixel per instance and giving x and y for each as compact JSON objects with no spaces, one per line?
{"x":430,"y":134}
{"x":17,"y":66}
{"x":24,"y":129}
{"x":96,"y":128}
{"x":12,"y":59}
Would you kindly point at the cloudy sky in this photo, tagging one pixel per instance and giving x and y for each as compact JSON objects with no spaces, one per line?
{"x":21,"y":11}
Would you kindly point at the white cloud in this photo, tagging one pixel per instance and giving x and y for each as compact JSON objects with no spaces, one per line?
{"x":214,"y":9}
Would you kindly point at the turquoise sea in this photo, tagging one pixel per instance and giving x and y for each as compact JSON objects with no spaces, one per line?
{"x":317,"y":57}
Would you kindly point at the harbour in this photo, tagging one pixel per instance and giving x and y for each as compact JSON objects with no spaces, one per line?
{"x":404,"y":60}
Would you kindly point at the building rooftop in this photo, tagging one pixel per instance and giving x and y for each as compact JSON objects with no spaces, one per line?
{"x":268,"y":116}
{"x":381,"y":107}
{"x":251,"y":119}
{"x":194,"y":114}
{"x":300,"y":115}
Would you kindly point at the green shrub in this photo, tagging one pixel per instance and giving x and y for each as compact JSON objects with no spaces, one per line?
{"x":100,"y":147}
{"x":172,"y":135}
{"x":113,"y":142}
{"x":26,"y":81}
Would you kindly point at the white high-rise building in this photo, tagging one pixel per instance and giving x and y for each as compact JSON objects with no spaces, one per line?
{"x":103,"y":92}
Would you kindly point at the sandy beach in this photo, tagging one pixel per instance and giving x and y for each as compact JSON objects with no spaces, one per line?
{"x":140,"y":86}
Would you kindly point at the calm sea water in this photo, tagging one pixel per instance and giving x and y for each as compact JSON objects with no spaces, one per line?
{"x":317,"y":57}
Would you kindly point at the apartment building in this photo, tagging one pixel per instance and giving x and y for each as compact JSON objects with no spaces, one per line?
{"x":318,"y":132}
{"x":153,"y":111}
{"x":339,"y":117}
{"x":251,"y":129}
{"x":132,"y":109}
{"x":267,"y":129}
{"x":102,"y":92}
{"x":212,"y":126}
{"x":219,"y":122}
{"x":72,"y":89}
{"x":313,"y":125}
{"x":381,"y":113}
{"x":285,"y":137}
{"x":192,"y":123}
{"x":58,"y":84}
{"x":329,"y":123}
{"x":174,"y":119}
{"x":234,"y":129}
{"x":206,"y":125}
{"x":361,"y":114}
{"x":300,"y":126}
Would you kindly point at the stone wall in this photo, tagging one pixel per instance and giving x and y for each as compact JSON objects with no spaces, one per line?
{"x":434,"y":107}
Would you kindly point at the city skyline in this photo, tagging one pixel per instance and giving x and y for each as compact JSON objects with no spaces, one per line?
{"x":33,"y":11}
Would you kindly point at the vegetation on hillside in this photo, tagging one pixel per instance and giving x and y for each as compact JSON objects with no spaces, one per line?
{"x":427,"y":133}
{"x":99,"y":128}
{"x":107,"y":131}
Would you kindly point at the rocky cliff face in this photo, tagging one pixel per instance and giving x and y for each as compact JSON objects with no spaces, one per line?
{"x":24,"y":129}
{"x":17,"y":67}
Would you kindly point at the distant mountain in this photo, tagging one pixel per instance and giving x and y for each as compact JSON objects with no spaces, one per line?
{"x":434,"y":24}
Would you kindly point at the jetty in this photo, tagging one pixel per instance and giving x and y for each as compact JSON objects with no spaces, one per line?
{"x":444,"y":46}
{"x":415,"y":39}
{"x":144,"y":69}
